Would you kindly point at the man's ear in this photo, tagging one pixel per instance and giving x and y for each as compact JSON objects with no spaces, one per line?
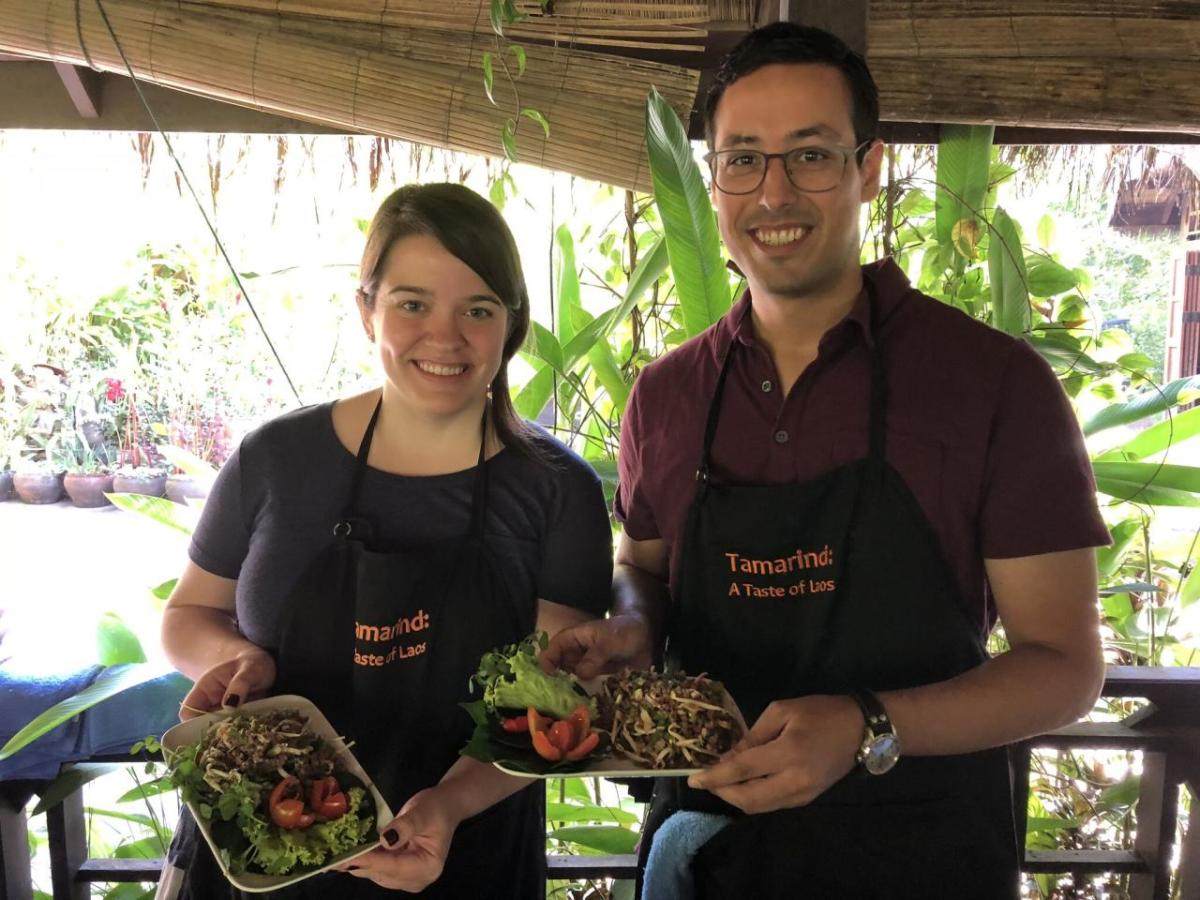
{"x":872,"y":171}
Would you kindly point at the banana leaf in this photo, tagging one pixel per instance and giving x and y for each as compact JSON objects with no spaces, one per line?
{"x":964,"y":158}
{"x":72,"y":777}
{"x":1149,"y":483}
{"x":1149,"y":403}
{"x":611,"y":840}
{"x":689,"y":223}
{"x":109,"y":683}
{"x":1154,"y":440}
{"x":173,"y":515}
{"x":1006,"y":271}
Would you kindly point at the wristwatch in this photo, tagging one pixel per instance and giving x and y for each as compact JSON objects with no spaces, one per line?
{"x":880,"y":748}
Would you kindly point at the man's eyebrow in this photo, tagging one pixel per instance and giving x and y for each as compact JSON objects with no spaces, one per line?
{"x":749,"y":140}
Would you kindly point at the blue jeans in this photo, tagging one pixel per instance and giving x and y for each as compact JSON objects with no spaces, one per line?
{"x":668,"y":873}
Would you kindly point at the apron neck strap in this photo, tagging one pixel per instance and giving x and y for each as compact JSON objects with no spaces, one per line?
{"x":478,"y":495}
{"x":877,"y":403}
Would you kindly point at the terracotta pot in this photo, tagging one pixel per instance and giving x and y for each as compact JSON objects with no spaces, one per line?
{"x":6,"y":485}
{"x":39,"y":487}
{"x":88,"y":491}
{"x":180,"y":487}
{"x":150,"y":485}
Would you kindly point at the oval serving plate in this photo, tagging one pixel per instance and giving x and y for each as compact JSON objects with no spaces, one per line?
{"x":192,"y":730}
{"x":613,"y":766}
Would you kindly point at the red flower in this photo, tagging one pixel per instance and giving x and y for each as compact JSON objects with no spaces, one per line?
{"x":114,"y":390}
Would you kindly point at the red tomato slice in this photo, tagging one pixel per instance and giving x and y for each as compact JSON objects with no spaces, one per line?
{"x":326,"y":798}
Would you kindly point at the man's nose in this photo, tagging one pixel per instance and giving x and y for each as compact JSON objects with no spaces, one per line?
{"x":777,"y":189}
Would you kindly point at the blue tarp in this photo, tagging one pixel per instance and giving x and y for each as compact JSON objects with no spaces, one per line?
{"x":112,"y":726}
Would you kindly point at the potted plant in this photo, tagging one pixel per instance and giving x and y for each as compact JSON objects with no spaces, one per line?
{"x":36,"y":481}
{"x":136,"y":471}
{"x":88,"y":471}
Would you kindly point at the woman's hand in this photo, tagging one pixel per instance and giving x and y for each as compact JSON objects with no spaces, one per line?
{"x":419,"y":840}
{"x":247,"y":676}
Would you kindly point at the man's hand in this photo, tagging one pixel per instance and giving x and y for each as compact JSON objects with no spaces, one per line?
{"x":245,"y":677}
{"x":601,"y":646}
{"x":795,"y":752}
{"x":414,"y":848}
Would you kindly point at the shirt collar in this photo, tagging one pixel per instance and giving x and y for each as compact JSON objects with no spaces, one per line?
{"x":891,"y":288}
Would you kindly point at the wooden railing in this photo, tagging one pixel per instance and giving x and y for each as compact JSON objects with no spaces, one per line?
{"x":1167,"y":732}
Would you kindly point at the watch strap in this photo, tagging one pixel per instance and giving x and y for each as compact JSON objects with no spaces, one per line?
{"x":873,"y":712}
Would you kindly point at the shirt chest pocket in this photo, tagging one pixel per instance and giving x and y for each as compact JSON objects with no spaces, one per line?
{"x":920,"y":460}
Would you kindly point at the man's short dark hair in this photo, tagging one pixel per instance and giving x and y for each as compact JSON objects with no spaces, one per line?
{"x":789,"y":44}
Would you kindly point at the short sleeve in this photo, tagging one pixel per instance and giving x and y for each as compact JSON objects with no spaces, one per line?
{"x":632,"y":505}
{"x":222,"y":536}
{"x":577,"y":550}
{"x":1039,"y":492}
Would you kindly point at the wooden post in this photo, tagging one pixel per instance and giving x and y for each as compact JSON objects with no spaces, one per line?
{"x":15,"y":881}
{"x":1189,"y":861}
{"x":66,"y":830}
{"x":1158,"y":800}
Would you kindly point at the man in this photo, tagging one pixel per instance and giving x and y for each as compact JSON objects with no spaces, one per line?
{"x":827,"y":499}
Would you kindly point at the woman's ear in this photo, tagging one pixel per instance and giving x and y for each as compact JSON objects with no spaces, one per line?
{"x":364,"y":313}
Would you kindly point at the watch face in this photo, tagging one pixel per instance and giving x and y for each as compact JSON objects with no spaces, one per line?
{"x":881,"y":754}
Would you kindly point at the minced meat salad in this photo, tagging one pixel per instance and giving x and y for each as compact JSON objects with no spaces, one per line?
{"x":667,"y":720}
{"x":272,"y":793}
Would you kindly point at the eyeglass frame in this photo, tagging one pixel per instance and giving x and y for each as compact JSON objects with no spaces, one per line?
{"x":846,"y":152}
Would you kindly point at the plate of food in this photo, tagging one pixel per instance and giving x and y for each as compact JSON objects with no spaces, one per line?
{"x":275,"y":791}
{"x":634,"y":724}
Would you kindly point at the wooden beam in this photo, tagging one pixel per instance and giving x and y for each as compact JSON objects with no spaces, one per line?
{"x":82,"y":87}
{"x":848,"y":19}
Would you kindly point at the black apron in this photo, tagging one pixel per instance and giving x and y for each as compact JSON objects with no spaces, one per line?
{"x":383,"y":641}
{"x":819,"y":587}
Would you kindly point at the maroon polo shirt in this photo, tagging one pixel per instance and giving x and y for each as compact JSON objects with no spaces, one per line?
{"x":977,"y":425}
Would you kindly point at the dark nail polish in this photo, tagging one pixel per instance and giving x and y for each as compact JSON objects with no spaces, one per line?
{"x":233,"y":700}
{"x":390,"y":837}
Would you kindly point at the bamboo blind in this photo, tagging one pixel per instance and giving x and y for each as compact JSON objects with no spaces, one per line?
{"x":636,"y":24}
{"x":1122,"y":64}
{"x":419,"y":85}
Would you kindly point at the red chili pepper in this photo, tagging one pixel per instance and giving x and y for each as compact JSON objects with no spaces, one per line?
{"x":584,"y":747}
{"x":516,"y":724}
{"x":287,"y":811}
{"x":326,"y":799}
{"x":541,"y":741}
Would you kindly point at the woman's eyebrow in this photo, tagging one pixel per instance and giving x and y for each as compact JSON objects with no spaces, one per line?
{"x":487,"y":298}
{"x":410,"y":289}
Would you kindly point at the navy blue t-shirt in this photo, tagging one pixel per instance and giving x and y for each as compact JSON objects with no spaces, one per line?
{"x":273,"y":506}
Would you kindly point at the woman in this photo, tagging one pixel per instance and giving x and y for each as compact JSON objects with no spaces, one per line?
{"x":426,"y":500}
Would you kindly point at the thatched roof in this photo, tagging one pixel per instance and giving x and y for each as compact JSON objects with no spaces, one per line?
{"x":414,"y":70}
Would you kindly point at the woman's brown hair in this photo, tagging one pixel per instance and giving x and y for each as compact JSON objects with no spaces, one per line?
{"x":472,"y":230}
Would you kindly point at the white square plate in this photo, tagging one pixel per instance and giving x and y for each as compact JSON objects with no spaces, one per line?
{"x":192,"y":730}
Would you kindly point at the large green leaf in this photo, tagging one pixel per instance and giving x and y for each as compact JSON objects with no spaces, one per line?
{"x":568,"y":284}
{"x":1006,"y":271}
{"x":1154,"y":440}
{"x":1149,"y":483}
{"x":1064,"y":353}
{"x":569,"y":812}
{"x":609,"y":839}
{"x":115,"y":643}
{"x":160,"y":785}
{"x":1047,"y":277}
{"x":173,"y":515}
{"x":542,"y":344}
{"x":533,"y":397}
{"x":689,"y":224}
{"x":109,"y":683}
{"x":72,"y":777}
{"x":1148,"y":403}
{"x":964,"y":159}
{"x":1108,"y":559}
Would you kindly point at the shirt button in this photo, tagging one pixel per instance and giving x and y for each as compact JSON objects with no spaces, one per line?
{"x":781,"y":437}
{"x":767,"y":387}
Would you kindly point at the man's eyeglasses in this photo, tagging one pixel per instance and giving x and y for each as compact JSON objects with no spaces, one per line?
{"x":815,"y":168}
